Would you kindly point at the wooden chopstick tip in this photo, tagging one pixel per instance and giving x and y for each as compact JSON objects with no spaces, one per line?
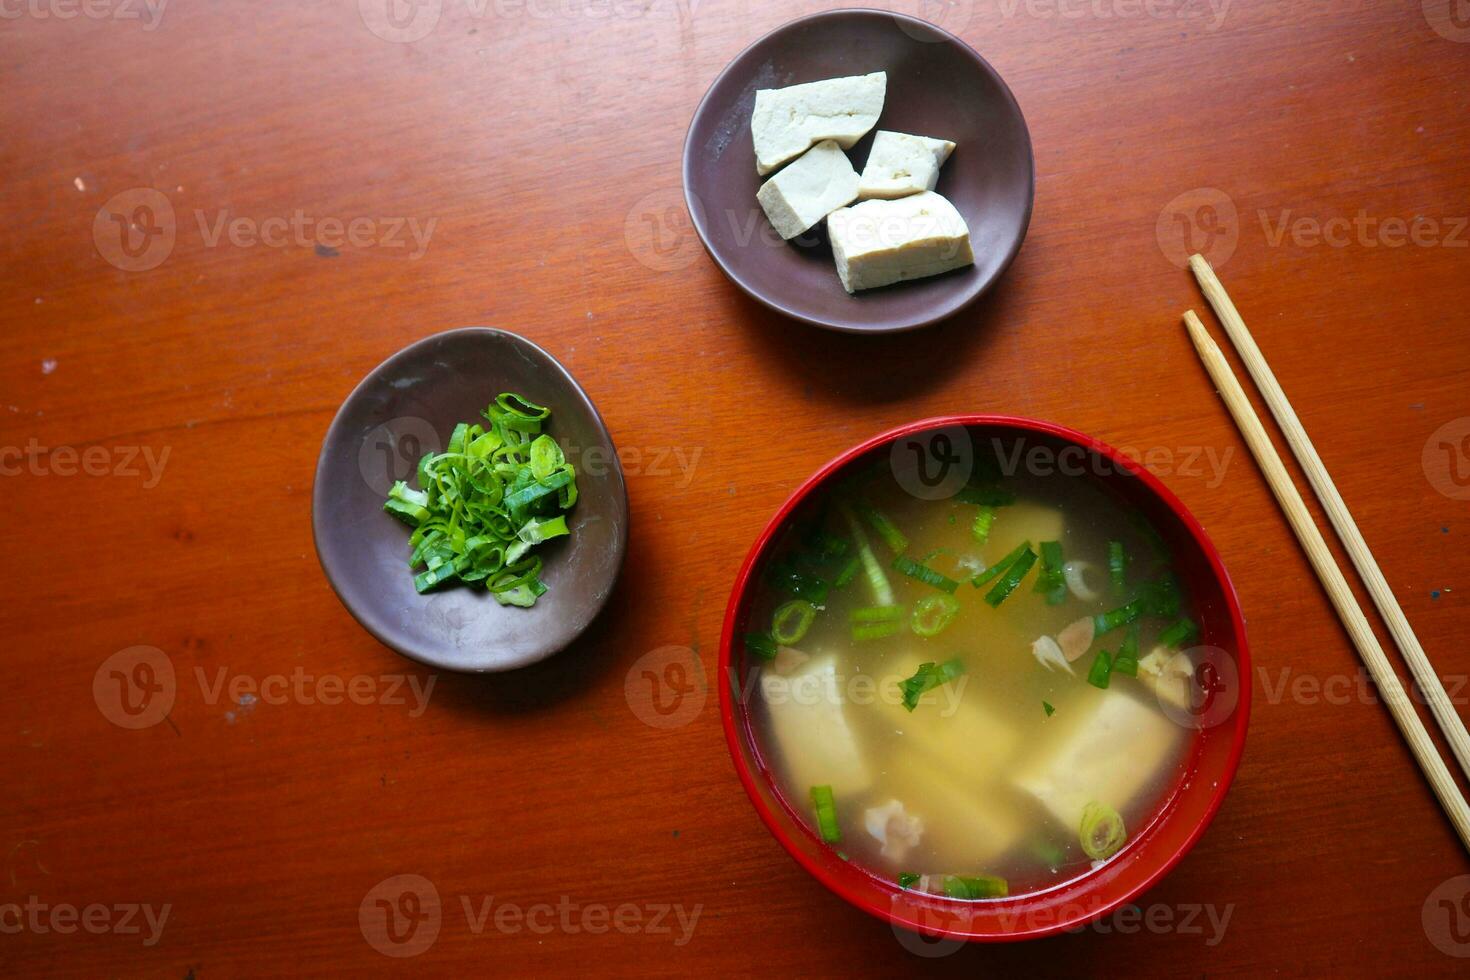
{"x":1197,"y":331}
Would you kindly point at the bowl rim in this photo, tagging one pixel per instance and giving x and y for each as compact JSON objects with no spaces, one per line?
{"x":428,"y":655}
{"x":696,"y":208}
{"x":842,"y":884}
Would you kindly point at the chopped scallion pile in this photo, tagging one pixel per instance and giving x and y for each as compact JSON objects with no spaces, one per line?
{"x":1102,"y":670}
{"x":494,"y":494}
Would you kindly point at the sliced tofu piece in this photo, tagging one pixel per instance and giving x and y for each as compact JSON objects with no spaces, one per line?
{"x":1107,"y":746}
{"x":808,"y":713}
{"x":787,"y":121}
{"x":952,"y":728}
{"x":900,"y":164}
{"x":877,"y":243}
{"x":810,"y":189}
{"x":959,"y":818}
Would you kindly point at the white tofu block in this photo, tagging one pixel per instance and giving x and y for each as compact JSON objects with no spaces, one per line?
{"x":964,"y":819}
{"x":1107,"y":746}
{"x":810,"y":189}
{"x":786,"y":121}
{"x":877,"y":243}
{"x":808,"y":713}
{"x":952,"y":728}
{"x":900,"y":164}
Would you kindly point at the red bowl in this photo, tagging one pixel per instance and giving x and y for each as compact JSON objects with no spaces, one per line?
{"x":1176,"y":823}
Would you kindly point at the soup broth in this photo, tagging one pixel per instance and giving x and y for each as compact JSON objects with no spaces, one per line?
{"x":1020,"y":760}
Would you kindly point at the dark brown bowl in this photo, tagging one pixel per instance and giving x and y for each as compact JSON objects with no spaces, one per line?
{"x":409,"y":405}
{"x":937,"y":86}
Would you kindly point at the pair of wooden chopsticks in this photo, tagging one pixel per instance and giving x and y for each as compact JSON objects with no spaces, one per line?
{"x":1312,"y":542}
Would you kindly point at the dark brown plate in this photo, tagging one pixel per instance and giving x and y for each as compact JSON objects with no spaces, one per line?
{"x":937,"y":86}
{"x":409,"y":405}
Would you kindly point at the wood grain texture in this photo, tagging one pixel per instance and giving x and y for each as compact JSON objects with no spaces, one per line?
{"x":542,"y":140}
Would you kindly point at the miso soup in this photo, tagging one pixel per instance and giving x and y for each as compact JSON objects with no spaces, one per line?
{"x":980,"y":696}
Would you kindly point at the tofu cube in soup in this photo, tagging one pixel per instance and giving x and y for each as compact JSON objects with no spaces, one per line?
{"x":786,"y":121}
{"x":810,"y":189}
{"x":961,"y":820}
{"x":877,"y":243}
{"x":1109,"y":747}
{"x":900,"y":164}
{"x":952,"y":728}
{"x":808,"y":707}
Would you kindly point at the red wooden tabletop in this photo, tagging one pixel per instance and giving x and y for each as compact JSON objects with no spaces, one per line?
{"x":328,"y":182}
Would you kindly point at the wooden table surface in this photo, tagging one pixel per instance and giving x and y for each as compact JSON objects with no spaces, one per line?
{"x":340,"y":184}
